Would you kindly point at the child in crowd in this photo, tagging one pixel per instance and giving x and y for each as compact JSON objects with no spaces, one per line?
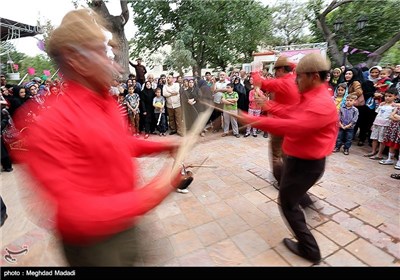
{"x":348,"y":116}
{"x":229,"y":99}
{"x":381,"y":86}
{"x":254,"y":108}
{"x":381,"y":124}
{"x":132,"y":101}
{"x":340,"y":95}
{"x":123,"y":110}
{"x":334,"y":79}
{"x":159,"y":112}
{"x":392,"y":138}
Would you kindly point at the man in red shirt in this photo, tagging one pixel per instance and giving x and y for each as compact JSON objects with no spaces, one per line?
{"x":309,"y":131}
{"x":80,"y":154}
{"x":283,"y":90}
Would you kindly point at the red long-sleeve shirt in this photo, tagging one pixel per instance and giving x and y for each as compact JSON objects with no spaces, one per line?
{"x":81,"y":155}
{"x":283,"y":89}
{"x":309,"y":127}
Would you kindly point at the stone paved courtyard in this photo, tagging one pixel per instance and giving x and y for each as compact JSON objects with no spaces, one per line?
{"x":230,"y":217}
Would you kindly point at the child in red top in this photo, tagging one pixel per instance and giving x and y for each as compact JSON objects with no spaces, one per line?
{"x":254,"y":108}
{"x":382,"y":85}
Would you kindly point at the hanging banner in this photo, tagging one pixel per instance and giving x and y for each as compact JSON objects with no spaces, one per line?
{"x":296,"y":55}
{"x":351,"y":50}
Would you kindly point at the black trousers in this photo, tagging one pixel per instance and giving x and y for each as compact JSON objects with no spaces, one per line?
{"x":277,"y":156}
{"x":3,"y":211}
{"x":5,"y":157}
{"x":298,"y":176}
{"x":118,"y":250}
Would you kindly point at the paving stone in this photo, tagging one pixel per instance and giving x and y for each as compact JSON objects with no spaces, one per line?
{"x":268,"y":258}
{"x":233,"y":224}
{"x":343,"y":258}
{"x":355,"y":213}
{"x":341,"y":202}
{"x":270,"y":192}
{"x":148,"y":232}
{"x":219,"y":209}
{"x":226,"y":253}
{"x":175,"y":224}
{"x":256,"y":197}
{"x":273,"y":231}
{"x":271,"y":209}
{"x":367,"y":216}
{"x":320,"y":192}
{"x":391,"y":227}
{"x":325,"y":208}
{"x":158,"y":251}
{"x":250,"y":243}
{"x":382,"y":207}
{"x":336,"y":233}
{"x":210,"y":233}
{"x":197,"y":258}
{"x":185,"y":242}
{"x":197,"y":216}
{"x":369,"y":254}
{"x":347,"y":222}
{"x":168,"y":209}
{"x":314,"y":218}
{"x":208,"y":197}
{"x":326,"y":246}
{"x":374,"y":236}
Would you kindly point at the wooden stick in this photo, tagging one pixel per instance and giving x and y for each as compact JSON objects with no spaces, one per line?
{"x":227,"y":112}
{"x":190,"y":139}
{"x":199,"y":165}
{"x":20,"y":82}
{"x":54,"y":74}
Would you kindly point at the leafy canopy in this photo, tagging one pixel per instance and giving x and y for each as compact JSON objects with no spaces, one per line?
{"x":215,"y":32}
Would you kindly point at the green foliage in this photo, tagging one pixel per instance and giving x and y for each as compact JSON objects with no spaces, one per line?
{"x":180,"y":59}
{"x":383,"y":23}
{"x":9,"y":52}
{"x":39,"y":62}
{"x":219,"y":32}
{"x":315,"y":7}
{"x":288,"y":23}
{"x":392,"y":56}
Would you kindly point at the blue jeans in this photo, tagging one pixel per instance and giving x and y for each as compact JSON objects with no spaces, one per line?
{"x":345,"y":137}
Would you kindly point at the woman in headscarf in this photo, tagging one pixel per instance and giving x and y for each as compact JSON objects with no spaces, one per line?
{"x":367,"y":113}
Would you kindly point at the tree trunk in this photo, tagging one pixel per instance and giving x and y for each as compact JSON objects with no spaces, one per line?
{"x":196,"y":68}
{"x":122,"y":52}
{"x":336,"y":55}
{"x":116,"y":27}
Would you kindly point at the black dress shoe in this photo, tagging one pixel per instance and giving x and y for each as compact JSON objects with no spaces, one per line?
{"x":173,"y":132}
{"x":294,"y":248}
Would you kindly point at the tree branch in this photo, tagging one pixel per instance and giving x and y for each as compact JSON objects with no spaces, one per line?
{"x":333,"y":5}
{"x":124,"y":11}
{"x":328,"y":35}
{"x":100,"y":7}
{"x":373,"y":60}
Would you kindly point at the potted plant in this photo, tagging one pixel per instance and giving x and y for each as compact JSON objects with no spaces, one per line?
{"x":14,"y":74}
